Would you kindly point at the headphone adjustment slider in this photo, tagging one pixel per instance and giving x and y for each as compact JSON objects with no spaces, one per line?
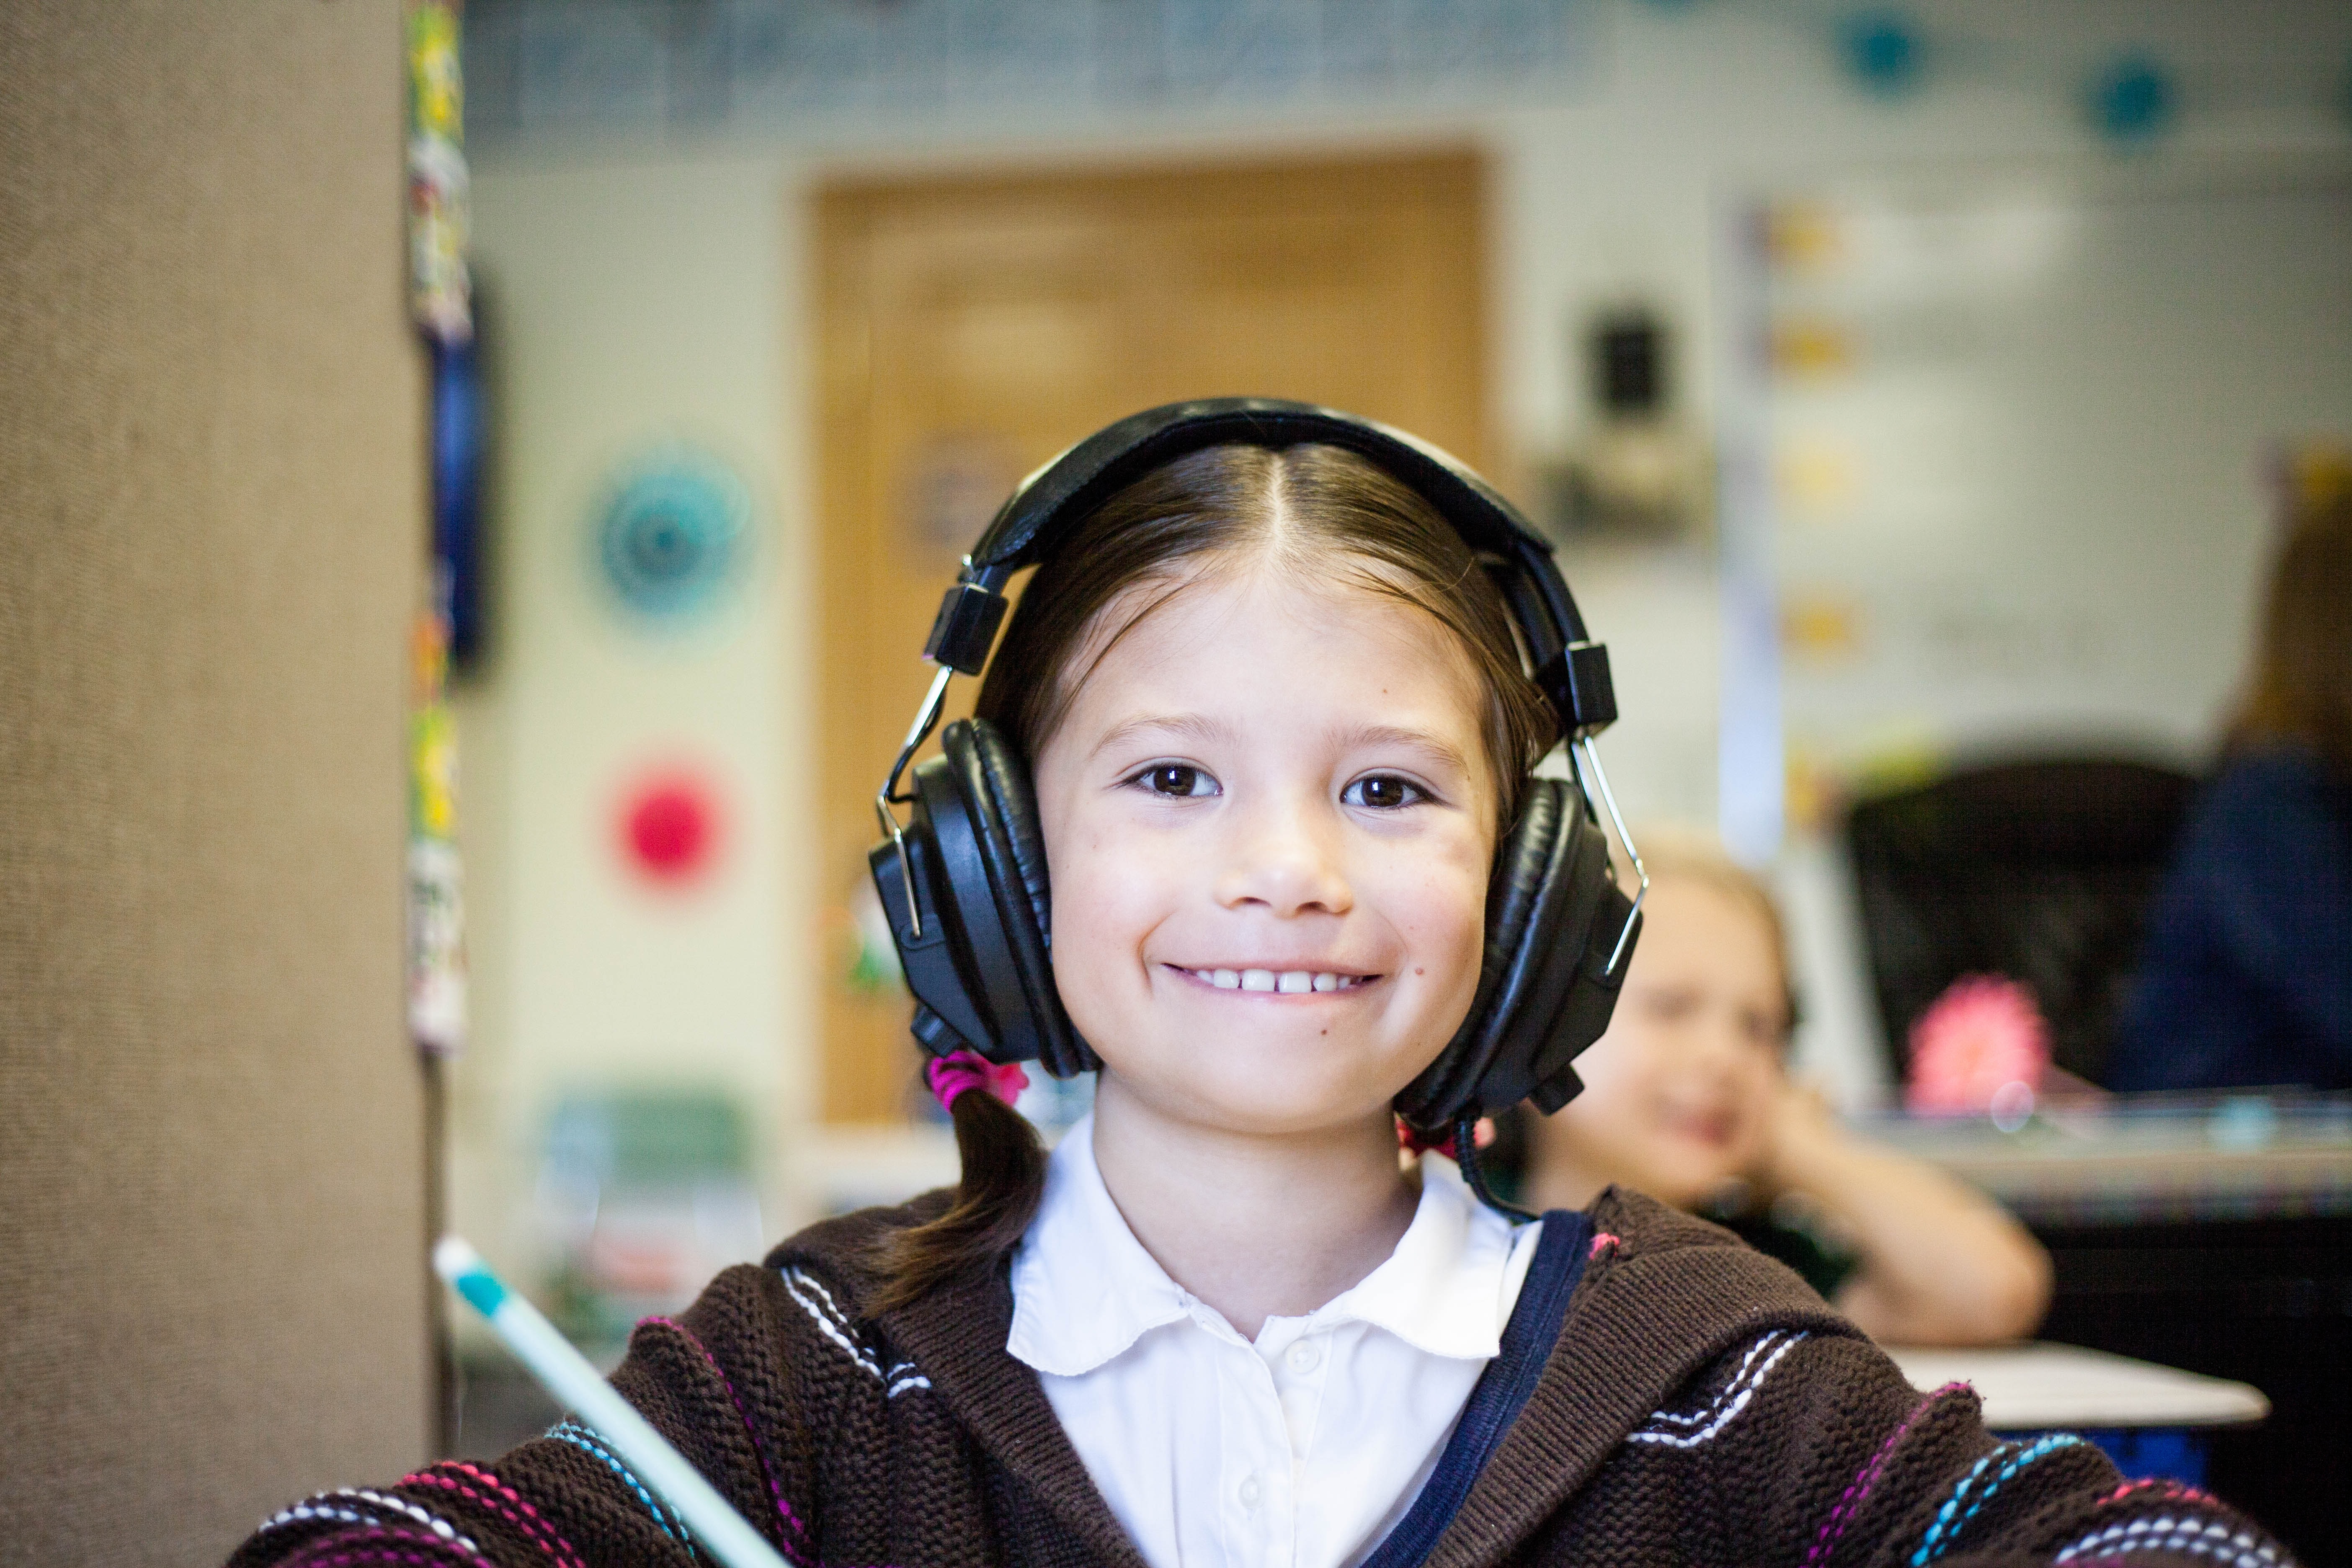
{"x":961,"y":637}
{"x":1578,"y":679}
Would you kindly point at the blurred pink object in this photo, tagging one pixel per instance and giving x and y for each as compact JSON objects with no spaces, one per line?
{"x":1981,"y":1035}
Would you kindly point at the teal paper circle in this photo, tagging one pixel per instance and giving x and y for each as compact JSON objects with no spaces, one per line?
{"x":670,"y":537}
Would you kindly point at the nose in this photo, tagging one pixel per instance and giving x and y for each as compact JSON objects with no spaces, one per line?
{"x":1715,"y":1045}
{"x":1284,"y":858}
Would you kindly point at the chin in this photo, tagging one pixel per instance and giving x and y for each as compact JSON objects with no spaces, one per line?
{"x":1685,"y":1182}
{"x":1278,"y":1098}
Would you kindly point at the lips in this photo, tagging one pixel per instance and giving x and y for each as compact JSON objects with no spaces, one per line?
{"x":1293,"y":981}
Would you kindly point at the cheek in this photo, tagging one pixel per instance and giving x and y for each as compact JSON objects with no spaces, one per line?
{"x":1758,"y":1086}
{"x":1440,"y":909}
{"x":1612,"y":1070}
{"x":1102,"y":905}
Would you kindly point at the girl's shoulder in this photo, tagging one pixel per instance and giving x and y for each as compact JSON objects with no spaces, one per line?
{"x":1669,"y":1295}
{"x":828,"y":1274}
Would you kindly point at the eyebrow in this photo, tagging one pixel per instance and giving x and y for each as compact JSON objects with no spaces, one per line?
{"x":1192,"y":726}
{"x":1437,"y":746}
{"x":1199,"y":727}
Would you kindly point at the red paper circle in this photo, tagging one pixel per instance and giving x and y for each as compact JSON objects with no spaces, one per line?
{"x":669,"y":827}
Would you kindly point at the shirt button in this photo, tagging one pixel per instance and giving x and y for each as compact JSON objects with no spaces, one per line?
{"x":1304,"y":1355}
{"x":1249,"y":1492}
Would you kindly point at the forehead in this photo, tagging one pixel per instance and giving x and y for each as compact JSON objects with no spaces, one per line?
{"x":1237,"y":632}
{"x":1689,"y":923}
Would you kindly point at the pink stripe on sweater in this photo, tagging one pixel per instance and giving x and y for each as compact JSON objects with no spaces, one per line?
{"x":534,"y":1529}
{"x":1857,"y":1491}
{"x":759,"y":1449}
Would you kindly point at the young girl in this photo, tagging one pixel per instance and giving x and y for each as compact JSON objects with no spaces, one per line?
{"x":1276,"y":724}
{"x":1686,"y":1098}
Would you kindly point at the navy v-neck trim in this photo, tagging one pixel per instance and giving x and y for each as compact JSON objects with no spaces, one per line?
{"x":1501,"y":1392}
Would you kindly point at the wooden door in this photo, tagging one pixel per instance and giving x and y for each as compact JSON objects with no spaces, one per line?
{"x":971,"y":328}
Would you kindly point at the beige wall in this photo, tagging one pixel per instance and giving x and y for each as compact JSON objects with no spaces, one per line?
{"x":211,"y":500}
{"x":635,"y":306}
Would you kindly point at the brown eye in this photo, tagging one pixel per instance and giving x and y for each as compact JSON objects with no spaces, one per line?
{"x":1177,"y":779}
{"x":1382,"y":792}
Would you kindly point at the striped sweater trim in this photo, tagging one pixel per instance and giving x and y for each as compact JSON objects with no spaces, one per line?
{"x":1857,"y":1493}
{"x":810,"y":1293}
{"x":1690,"y":1429}
{"x":380,"y":1543}
{"x":2212,"y":1539}
{"x":485,"y":1491}
{"x":1995,"y":1470}
{"x":591,"y":1443}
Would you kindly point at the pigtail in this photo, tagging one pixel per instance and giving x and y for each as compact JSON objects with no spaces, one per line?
{"x":1003,"y":1178}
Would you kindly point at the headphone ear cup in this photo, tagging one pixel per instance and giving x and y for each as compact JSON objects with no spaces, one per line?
{"x":1001,"y":805}
{"x":1545,"y":989}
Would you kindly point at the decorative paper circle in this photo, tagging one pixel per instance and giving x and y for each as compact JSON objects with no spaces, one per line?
{"x":2132,"y":99}
{"x":670,"y":537}
{"x":1882,"y":51}
{"x":1975,"y":1047}
{"x":669,"y":827}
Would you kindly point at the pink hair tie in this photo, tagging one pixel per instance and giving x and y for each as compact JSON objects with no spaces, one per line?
{"x":951,"y":1075}
{"x":1413,"y":1142}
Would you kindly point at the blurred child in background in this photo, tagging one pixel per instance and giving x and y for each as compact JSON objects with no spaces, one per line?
{"x":2247,"y":979}
{"x":1687,"y":1097}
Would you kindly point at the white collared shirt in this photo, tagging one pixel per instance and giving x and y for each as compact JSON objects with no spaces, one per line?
{"x":1300,"y":1450}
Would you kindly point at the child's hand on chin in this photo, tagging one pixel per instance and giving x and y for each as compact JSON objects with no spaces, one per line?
{"x":1799,"y":1128}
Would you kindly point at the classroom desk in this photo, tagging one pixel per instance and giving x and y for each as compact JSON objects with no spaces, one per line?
{"x":2043,"y":1387}
{"x":2151,"y":1159}
{"x":2211,"y":1233}
{"x":2150,"y":1420}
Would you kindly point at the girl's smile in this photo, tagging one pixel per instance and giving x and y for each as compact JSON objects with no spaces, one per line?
{"x":1275,"y":982}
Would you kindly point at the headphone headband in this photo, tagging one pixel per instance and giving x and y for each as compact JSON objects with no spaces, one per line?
{"x":1572,"y":671}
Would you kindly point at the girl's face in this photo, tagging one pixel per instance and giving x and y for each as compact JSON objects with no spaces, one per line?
{"x":1269,"y":824}
{"x":1678,"y":1093}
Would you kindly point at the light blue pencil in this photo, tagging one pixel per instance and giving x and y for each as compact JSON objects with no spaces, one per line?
{"x":565,"y":1373}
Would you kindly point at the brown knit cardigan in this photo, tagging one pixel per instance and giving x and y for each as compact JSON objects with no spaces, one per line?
{"x":1700,"y":1406}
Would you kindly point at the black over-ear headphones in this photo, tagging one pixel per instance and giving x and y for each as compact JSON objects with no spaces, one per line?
{"x":964,"y":883}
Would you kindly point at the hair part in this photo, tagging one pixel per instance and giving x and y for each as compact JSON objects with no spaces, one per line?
{"x":1318,"y":512}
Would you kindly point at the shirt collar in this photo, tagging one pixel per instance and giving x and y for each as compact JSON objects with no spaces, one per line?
{"x":1442,"y":1291}
{"x":1084,"y":1288}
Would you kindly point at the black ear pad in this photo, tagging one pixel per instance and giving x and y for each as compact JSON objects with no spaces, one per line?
{"x":995,"y":781}
{"x":1554,"y":915}
{"x":982,"y":966}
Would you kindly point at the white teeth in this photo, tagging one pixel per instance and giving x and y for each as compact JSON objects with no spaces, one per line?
{"x":1289,"y":981}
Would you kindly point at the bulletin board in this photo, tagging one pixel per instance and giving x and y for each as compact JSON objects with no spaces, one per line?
{"x":2000,"y":459}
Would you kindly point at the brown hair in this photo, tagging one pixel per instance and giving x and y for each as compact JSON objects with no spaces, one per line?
{"x":2302,"y":687}
{"x":1316,"y":509}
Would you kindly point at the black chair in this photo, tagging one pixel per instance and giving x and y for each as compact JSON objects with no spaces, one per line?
{"x":2042,"y":871}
